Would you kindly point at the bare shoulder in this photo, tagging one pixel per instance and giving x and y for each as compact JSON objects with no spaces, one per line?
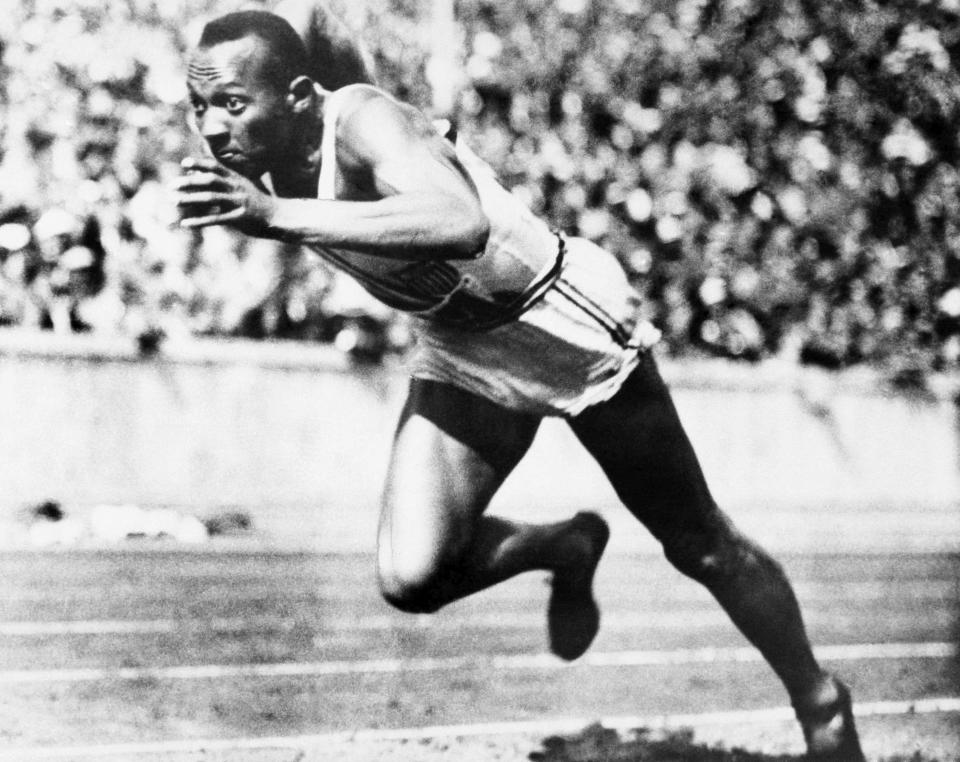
{"x":372,"y":122}
{"x":388,"y":147}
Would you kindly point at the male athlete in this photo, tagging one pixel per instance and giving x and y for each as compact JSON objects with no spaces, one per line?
{"x":514,"y":323}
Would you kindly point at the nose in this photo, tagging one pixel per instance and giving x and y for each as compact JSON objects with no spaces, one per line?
{"x":213,"y":127}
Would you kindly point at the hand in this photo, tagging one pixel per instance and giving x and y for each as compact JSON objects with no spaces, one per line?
{"x":210,"y":194}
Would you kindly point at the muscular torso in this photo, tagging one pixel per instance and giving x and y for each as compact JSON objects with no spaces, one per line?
{"x":470,"y":293}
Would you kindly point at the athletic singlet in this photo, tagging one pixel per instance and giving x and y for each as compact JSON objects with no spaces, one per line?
{"x":521,"y":260}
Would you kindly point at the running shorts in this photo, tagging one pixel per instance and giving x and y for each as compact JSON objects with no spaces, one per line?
{"x":572,"y":348}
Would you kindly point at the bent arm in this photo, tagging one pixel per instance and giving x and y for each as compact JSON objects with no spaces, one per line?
{"x":408,"y":227}
{"x":423,"y":205}
{"x":406,"y":195}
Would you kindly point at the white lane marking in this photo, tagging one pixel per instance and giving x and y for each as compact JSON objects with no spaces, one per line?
{"x":370,"y":623}
{"x":854,"y":652}
{"x":698,"y":619}
{"x":519,"y":621}
{"x":809,"y":592}
{"x":148,"y":626}
{"x":940,"y":705}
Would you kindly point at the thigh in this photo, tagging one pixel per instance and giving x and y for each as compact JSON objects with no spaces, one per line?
{"x":451,"y":452}
{"x":639,"y":441}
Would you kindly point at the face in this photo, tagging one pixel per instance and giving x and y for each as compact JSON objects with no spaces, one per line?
{"x":242,"y":115}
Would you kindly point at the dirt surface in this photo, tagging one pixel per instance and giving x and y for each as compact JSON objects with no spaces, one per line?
{"x":158,"y":652}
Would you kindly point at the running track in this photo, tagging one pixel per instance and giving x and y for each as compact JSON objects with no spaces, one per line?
{"x":150,"y":652}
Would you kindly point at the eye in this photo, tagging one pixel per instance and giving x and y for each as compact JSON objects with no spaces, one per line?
{"x":198,"y":107}
{"x":235,"y":105}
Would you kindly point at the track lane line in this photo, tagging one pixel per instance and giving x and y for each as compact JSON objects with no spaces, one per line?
{"x":688,"y":620}
{"x":544,"y":661}
{"x":707,"y":618}
{"x":547,"y":726}
{"x":809,"y":591}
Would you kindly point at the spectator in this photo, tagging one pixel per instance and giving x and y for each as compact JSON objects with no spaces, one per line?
{"x":772,"y":190}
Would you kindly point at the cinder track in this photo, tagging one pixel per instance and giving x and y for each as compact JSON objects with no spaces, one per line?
{"x":158,"y":646}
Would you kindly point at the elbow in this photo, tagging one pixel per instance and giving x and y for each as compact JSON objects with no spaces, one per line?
{"x":472,"y":240}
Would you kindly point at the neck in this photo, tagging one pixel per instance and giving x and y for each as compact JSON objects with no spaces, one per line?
{"x":297,"y":176}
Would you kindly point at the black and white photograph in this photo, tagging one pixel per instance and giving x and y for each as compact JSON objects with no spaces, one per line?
{"x":518,"y":381}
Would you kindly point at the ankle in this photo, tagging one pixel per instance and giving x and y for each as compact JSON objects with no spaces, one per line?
{"x":577,"y":543}
{"x":821,"y":696}
{"x":826,"y":717}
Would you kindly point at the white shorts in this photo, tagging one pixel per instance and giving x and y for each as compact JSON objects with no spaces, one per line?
{"x":572,"y":349}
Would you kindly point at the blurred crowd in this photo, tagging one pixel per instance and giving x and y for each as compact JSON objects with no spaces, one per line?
{"x":779,"y":178}
{"x":95,"y":125}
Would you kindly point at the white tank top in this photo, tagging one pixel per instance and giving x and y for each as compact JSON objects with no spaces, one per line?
{"x":520,"y":261}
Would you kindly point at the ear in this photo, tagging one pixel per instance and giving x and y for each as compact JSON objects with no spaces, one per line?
{"x":300,"y":94}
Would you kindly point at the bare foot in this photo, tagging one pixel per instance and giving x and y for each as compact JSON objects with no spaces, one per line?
{"x":573,"y":617}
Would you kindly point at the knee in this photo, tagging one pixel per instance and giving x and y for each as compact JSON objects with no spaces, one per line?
{"x":410,"y":587}
{"x":714,"y":553}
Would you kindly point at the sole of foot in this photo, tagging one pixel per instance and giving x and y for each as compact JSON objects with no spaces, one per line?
{"x":573,"y":617}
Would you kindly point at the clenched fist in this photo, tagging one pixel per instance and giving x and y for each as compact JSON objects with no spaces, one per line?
{"x":208,"y":193}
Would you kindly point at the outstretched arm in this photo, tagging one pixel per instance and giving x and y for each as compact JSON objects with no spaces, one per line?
{"x":337,"y":58}
{"x":422,"y":204}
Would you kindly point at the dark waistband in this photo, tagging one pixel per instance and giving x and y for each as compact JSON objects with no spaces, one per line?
{"x":452,"y":317}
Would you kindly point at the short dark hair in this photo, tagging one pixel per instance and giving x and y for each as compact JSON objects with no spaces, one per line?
{"x":288,"y":54}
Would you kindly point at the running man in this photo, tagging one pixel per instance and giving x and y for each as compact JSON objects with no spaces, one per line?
{"x":514,"y":323}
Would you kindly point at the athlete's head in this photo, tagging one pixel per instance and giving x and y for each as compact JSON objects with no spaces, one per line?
{"x":248,"y":84}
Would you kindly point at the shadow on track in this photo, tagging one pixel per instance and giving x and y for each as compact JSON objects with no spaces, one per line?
{"x":599,"y":744}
